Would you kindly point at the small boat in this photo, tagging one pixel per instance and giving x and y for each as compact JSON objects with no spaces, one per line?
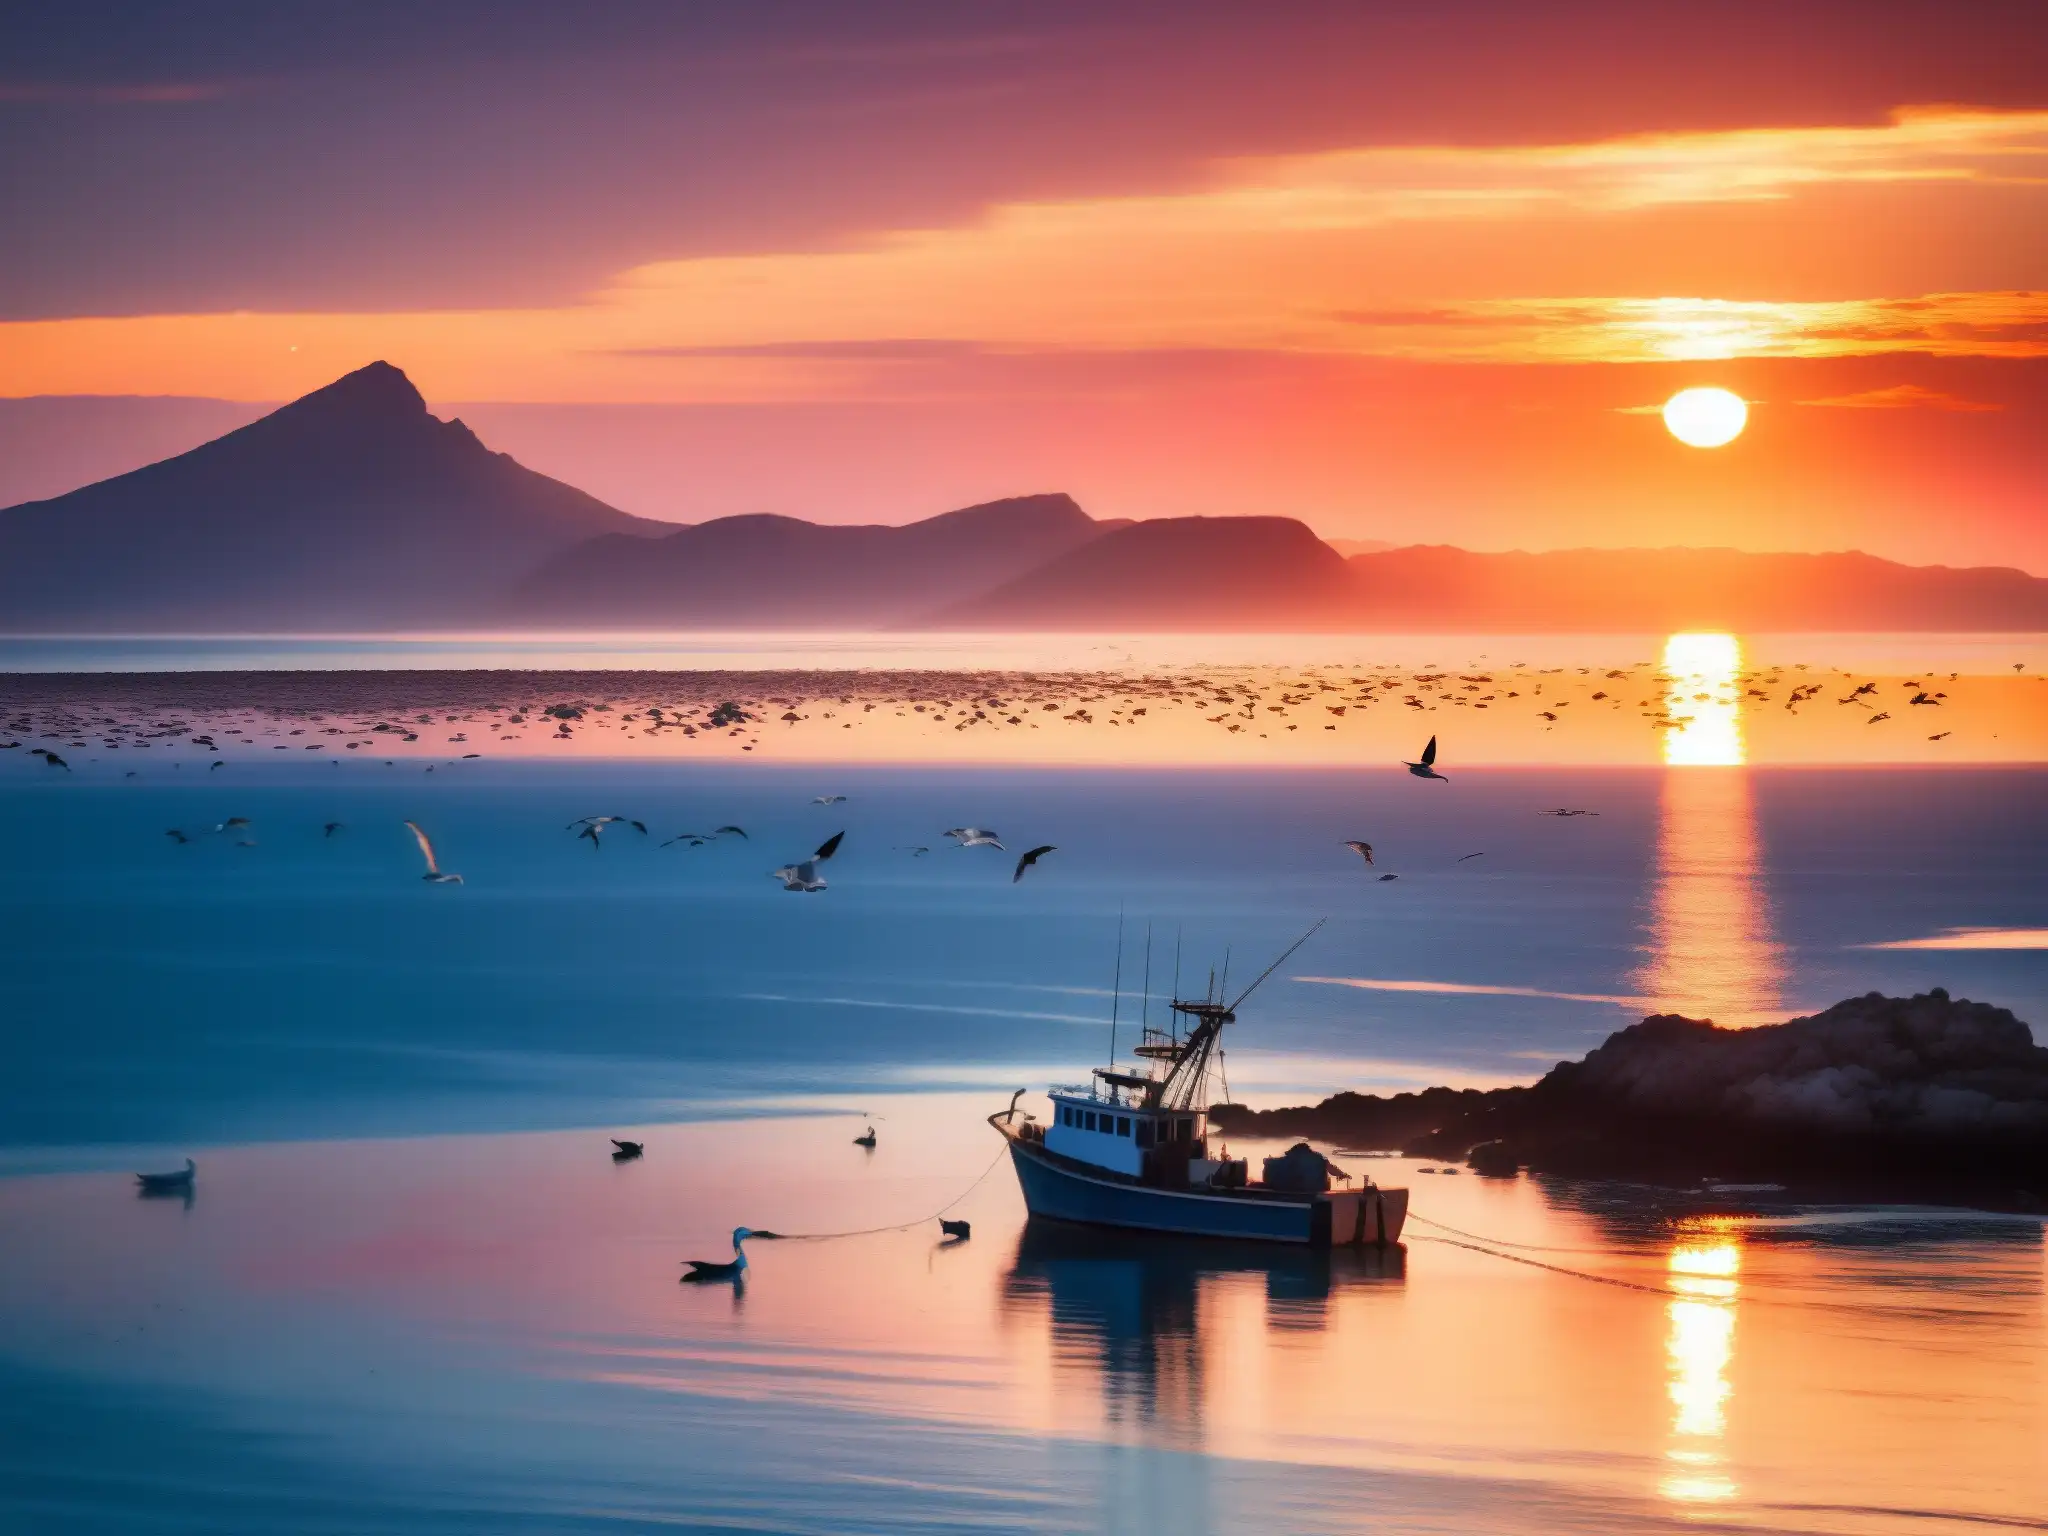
{"x":168,"y":1183}
{"x":1130,"y":1148}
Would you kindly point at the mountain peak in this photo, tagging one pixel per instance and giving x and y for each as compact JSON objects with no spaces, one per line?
{"x":378,"y":392}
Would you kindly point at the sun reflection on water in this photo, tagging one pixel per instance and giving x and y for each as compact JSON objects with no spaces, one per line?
{"x":1699,"y":1348}
{"x":1703,"y":701}
{"x":1711,"y":950}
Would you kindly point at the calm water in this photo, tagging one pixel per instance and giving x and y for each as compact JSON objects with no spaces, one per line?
{"x":412,"y":1292}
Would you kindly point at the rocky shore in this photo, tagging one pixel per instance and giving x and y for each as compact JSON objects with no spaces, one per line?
{"x":1920,"y":1097}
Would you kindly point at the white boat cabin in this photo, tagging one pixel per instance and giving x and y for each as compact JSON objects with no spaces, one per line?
{"x":1109,"y":1127}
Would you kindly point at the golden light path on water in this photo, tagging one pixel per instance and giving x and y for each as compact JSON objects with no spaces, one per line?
{"x":1699,"y":1348}
{"x":1710,"y":952}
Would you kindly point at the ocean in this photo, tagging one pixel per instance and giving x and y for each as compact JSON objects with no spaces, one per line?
{"x":412,"y":1292}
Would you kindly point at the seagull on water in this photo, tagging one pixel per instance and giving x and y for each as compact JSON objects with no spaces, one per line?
{"x":1030,"y":859}
{"x":1426,"y":769}
{"x":805,"y":876}
{"x":958,"y":1230}
{"x":626,"y":1151}
{"x":433,"y":876}
{"x":975,"y":837}
{"x":1363,"y":850}
{"x":708,"y":1269}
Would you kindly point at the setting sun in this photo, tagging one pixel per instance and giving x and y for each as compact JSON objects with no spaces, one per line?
{"x":1706,"y":417}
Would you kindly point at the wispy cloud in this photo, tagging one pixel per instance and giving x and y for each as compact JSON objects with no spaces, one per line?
{"x":1971,"y":938}
{"x":1473,"y":989}
{"x":1902,"y":397}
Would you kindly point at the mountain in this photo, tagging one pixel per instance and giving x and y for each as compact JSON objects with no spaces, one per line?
{"x":781,"y":573}
{"x":1439,"y":588}
{"x":351,"y":508}
{"x":354,"y":509}
{"x":1175,"y":573}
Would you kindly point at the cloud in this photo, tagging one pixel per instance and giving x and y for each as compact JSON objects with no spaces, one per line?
{"x":882,"y":350}
{"x":1473,"y":989}
{"x":1902,"y":397}
{"x":1442,"y":253}
{"x":1970,"y":938}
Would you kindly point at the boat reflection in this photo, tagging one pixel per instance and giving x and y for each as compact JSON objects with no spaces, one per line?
{"x":1700,"y":1345}
{"x":1141,"y":1313}
{"x":1711,"y":950}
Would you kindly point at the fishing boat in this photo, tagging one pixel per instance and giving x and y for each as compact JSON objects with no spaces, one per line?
{"x":1130,"y":1148}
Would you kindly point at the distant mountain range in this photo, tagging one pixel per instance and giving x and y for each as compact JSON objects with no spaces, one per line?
{"x":355,"y":509}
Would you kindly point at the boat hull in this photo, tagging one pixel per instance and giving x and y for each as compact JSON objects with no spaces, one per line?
{"x":1058,"y":1190}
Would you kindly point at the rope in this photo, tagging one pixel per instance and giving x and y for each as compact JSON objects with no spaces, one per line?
{"x":901,"y":1226}
{"x":1497,"y":1242}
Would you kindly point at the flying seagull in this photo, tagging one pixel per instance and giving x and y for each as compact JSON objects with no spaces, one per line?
{"x":739,"y":832}
{"x":975,"y":837}
{"x":827,"y":799}
{"x":694,"y":839}
{"x":332,"y":828}
{"x":805,"y":876}
{"x":626,"y":1151}
{"x":1426,"y":769}
{"x":1464,"y":856}
{"x":1030,"y":859}
{"x":176,"y":836}
{"x":1363,"y":850}
{"x":1385,"y":878}
{"x":433,"y":875}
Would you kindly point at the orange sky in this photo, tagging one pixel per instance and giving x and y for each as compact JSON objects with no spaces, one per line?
{"x":1418,"y":333}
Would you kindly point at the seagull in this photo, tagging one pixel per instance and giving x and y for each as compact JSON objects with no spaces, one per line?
{"x":975,"y":837}
{"x":216,"y":764}
{"x":592,"y":825}
{"x":1461,"y":858}
{"x":956,"y":1229}
{"x":1385,"y":878}
{"x":1030,"y":859}
{"x":1426,"y":769}
{"x":433,"y":875}
{"x":53,"y":759}
{"x":706,"y":1269}
{"x":739,"y":832}
{"x":1363,"y":850}
{"x":626,"y":1151}
{"x":176,"y":836}
{"x":694,"y":839}
{"x":827,"y":799}
{"x":867,"y":1140}
{"x":167,"y":1183}
{"x":805,"y":876}
{"x":915,"y":850}
{"x":332,"y":828}
{"x":1938,"y":736}
{"x":1564,"y":811}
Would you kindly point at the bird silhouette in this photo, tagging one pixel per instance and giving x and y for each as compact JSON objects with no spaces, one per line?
{"x":1030,"y":859}
{"x":1363,"y":850}
{"x":626,"y":1151}
{"x":1426,"y":769}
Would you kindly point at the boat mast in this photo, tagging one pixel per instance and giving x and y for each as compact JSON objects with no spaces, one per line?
{"x":1116,"y":986}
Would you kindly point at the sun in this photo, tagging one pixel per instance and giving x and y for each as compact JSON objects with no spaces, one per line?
{"x":1706,"y":417}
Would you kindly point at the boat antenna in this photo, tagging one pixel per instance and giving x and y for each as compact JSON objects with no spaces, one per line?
{"x":1145,"y":1015}
{"x":1116,"y":986}
{"x":1269,"y":970}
